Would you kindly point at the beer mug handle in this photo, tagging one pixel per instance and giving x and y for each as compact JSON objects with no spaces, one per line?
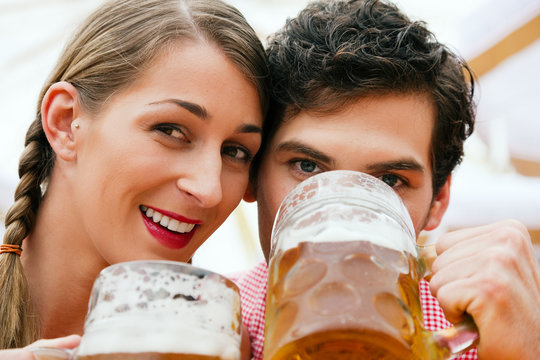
{"x":464,"y":334}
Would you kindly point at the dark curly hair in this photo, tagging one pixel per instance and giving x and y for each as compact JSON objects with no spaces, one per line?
{"x":335,"y":52}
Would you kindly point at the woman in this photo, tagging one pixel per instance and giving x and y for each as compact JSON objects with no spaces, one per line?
{"x":140,"y":149}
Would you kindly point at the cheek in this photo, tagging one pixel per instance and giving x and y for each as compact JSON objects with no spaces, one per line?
{"x":268,"y":200}
{"x":419,"y":221}
{"x":419,"y":213}
{"x":234,"y":188}
{"x":270,"y":205}
{"x":271,"y":192}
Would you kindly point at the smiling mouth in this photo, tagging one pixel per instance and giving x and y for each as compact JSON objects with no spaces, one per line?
{"x":166,"y":222}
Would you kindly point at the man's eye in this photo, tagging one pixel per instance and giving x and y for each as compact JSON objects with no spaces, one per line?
{"x":391,"y":180}
{"x":307,"y":166}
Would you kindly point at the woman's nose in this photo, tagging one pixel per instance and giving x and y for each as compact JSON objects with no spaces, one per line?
{"x":203,"y":181}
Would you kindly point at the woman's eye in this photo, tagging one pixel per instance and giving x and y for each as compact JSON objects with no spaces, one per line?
{"x":172,"y":131}
{"x":392,"y":180}
{"x":237,"y":153}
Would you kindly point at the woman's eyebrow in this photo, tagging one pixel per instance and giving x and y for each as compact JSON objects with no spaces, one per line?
{"x":193,"y":108}
{"x":249,"y":128}
{"x":201,"y":113}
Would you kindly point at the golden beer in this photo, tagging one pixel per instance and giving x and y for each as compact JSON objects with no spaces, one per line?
{"x":344,"y":300}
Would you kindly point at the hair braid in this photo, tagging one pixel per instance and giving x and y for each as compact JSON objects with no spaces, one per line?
{"x":19,"y":323}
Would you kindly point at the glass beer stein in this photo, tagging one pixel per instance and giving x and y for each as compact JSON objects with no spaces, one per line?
{"x":161,"y":310}
{"x":343,"y":277}
{"x":152,"y":310}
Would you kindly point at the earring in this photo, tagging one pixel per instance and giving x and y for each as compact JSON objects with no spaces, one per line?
{"x":76,"y":125}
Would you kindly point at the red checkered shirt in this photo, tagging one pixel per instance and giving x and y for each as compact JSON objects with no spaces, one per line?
{"x":253,"y":284}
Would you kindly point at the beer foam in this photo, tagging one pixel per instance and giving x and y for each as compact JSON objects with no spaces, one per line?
{"x":332,"y":226}
{"x":167,"y":312}
{"x":343,"y":205}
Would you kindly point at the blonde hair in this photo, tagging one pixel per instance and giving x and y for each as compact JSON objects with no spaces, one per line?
{"x":114,"y":45}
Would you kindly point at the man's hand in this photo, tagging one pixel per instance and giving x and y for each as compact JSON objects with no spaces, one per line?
{"x":491,"y":272}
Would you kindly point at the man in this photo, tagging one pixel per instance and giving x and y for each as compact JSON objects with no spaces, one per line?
{"x":358,"y":86}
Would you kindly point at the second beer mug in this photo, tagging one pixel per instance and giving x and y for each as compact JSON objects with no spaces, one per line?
{"x":161,"y":310}
{"x":343,"y":277}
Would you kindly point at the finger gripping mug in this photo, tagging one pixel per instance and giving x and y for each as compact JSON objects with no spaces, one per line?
{"x":343,"y":276}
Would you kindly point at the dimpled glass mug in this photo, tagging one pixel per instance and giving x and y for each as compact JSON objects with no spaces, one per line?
{"x":160,"y":310}
{"x":343,"y":277}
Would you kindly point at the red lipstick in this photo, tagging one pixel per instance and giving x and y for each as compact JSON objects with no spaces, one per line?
{"x":166,"y":237}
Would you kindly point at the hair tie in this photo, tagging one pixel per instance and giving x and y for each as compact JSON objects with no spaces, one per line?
{"x":7,"y":248}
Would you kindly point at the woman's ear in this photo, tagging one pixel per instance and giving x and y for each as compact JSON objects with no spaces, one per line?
{"x":59,"y":114}
{"x":439,"y":206}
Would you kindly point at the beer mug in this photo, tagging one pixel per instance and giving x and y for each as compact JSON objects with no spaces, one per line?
{"x":343,"y":277}
{"x":161,"y":310}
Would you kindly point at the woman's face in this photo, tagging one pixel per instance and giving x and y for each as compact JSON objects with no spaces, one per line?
{"x":167,"y":159}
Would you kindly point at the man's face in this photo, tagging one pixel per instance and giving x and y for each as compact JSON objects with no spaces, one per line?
{"x":387,"y":137}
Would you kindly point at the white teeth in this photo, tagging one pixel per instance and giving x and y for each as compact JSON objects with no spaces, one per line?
{"x":165,"y":221}
{"x":182,"y":227}
{"x":186,"y":227}
{"x":157,"y":217}
{"x":173,"y":225}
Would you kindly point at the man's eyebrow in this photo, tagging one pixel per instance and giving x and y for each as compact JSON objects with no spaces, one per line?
{"x":302,"y":148}
{"x":193,"y":108}
{"x":401,"y":164}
